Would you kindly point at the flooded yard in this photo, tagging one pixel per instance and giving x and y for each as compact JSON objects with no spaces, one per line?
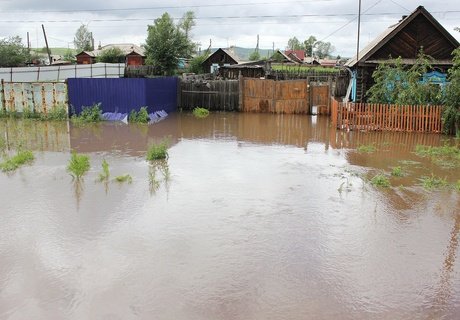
{"x":252,"y":216}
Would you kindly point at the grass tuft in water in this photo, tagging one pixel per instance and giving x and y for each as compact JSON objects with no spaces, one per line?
{"x":105,"y":174}
{"x":89,"y":114}
{"x":124,"y":178}
{"x":366,"y":148}
{"x":58,"y":113}
{"x":433,"y":182}
{"x":447,"y":156}
{"x":157,"y":151}
{"x":139,"y":117}
{"x":78,"y":165}
{"x":200,"y":112}
{"x":397,"y":171}
{"x":22,"y":157}
{"x":380,"y":180}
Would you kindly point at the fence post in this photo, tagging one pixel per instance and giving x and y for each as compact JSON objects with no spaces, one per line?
{"x":241,"y":92}
{"x":11,"y":74}
{"x":3,"y":96}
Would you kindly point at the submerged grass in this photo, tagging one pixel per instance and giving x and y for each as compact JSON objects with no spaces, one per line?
{"x":139,"y":117}
{"x":433,"y":182}
{"x":447,"y":156}
{"x":366,"y":148}
{"x":124,"y":178}
{"x":105,"y":174}
{"x":22,"y":157}
{"x":380,"y":180}
{"x":397,"y":171}
{"x":90,"y":114}
{"x":200,"y":112}
{"x":157,"y":151}
{"x":78,"y":165}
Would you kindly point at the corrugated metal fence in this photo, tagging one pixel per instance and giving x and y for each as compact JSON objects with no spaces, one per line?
{"x":32,"y":96}
{"x":124,"y":95}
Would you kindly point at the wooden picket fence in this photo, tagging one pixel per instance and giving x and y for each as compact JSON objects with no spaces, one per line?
{"x":388,"y":117}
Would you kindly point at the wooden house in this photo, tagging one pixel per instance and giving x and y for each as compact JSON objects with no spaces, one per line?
{"x":220,"y":57}
{"x":405,"y":39}
{"x":296,"y":55}
{"x":134,"y":54}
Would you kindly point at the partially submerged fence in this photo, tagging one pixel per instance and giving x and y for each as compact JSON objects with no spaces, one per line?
{"x":220,"y":95}
{"x":61,"y":73}
{"x":124,"y":95}
{"x":33,"y":96}
{"x":365,"y":116}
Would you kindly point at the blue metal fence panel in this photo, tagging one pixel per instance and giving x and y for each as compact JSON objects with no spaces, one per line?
{"x":124,"y":94}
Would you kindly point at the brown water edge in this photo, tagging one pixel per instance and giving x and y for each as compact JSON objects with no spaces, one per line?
{"x":250,"y":225}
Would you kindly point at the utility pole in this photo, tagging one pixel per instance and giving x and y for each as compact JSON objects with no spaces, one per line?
{"x":257,"y":46}
{"x":28,"y":42}
{"x":359,"y":25}
{"x":46,"y":42}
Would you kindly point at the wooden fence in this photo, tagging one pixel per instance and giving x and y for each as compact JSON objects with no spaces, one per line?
{"x":213,"y":95}
{"x":365,"y":116}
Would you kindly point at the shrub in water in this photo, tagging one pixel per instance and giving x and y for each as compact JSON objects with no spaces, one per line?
{"x":89,"y":114}
{"x":78,"y":165}
{"x":157,"y":151}
{"x":140,"y":117}
{"x":22,"y":157}
{"x":397,"y":172}
{"x":433,"y":182}
{"x":124,"y":178}
{"x":105,"y":174}
{"x":58,"y":113}
{"x":200,"y":112}
{"x":380,"y":180}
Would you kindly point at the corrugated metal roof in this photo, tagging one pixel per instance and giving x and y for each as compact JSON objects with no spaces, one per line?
{"x":126,"y":48}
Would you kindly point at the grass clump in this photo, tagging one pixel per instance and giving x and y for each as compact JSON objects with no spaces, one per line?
{"x":200,"y":112}
{"x":105,"y":174}
{"x":89,"y":114}
{"x":141,"y":116}
{"x":433,"y":182}
{"x":397,"y":172}
{"x":457,"y":185}
{"x":157,"y":151}
{"x":58,"y":113}
{"x":78,"y":165}
{"x":366,"y":148}
{"x":22,"y":157}
{"x":380,"y":180}
{"x":445,"y":156}
{"x":124,"y":178}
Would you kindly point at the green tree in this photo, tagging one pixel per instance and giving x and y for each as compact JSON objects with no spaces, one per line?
{"x":83,"y":39}
{"x":165,"y":44}
{"x":196,"y":64}
{"x":324,"y":49}
{"x":186,"y":24}
{"x":69,"y":55}
{"x":308,"y":45}
{"x":451,"y":114}
{"x":111,"y":55}
{"x":294,"y":44}
{"x":13,"y":53}
{"x":254,"y":56}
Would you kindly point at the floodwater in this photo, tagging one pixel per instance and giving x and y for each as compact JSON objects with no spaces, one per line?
{"x":253,"y":216}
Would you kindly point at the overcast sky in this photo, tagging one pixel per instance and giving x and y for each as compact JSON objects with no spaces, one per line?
{"x":238,"y":24}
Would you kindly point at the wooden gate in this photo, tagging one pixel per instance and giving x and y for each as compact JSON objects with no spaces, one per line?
{"x":319,"y":99}
{"x":275,"y":96}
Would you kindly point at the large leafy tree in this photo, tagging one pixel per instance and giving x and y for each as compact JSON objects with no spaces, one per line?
{"x":324,"y":49}
{"x":295,"y":44}
{"x":166,"y":43}
{"x":308,"y":45}
{"x":83,"y":39}
{"x":13,"y":53}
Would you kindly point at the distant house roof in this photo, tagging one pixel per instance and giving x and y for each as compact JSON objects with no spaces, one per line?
{"x":227,"y":51}
{"x":328,"y":62}
{"x":432,"y":36}
{"x":126,"y":48}
{"x":286,"y":58}
{"x":298,"y":55}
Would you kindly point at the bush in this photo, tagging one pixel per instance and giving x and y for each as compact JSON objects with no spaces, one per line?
{"x":157,"y":152}
{"x":380,"y":180}
{"x":78,"y":165}
{"x":89,"y":114}
{"x":139,"y":117}
{"x":200,"y":112}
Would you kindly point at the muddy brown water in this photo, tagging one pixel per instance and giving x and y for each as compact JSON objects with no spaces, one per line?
{"x":253,"y":216}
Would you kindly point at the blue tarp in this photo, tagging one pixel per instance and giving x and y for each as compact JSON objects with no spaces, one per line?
{"x":124,"y":94}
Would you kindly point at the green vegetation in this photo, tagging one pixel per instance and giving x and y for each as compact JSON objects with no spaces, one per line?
{"x":157,"y":151}
{"x":457,"y":185}
{"x":433,"y":182}
{"x":196,"y":64}
{"x":78,"y":165}
{"x":88,"y":114}
{"x":445,"y":156}
{"x":366,"y":148}
{"x":304,"y":69}
{"x":83,"y":39}
{"x":22,"y":157}
{"x":200,"y":112}
{"x":124,"y":178}
{"x":57,"y":113}
{"x":13,"y":53}
{"x":451,"y":113}
{"x":380,"y":180}
{"x":397,"y":172}
{"x":139,"y":117}
{"x":111,"y":55}
{"x":105,"y":174}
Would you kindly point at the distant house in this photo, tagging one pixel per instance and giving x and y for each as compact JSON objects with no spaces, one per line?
{"x":419,"y":30}
{"x":221,"y":57}
{"x":296,"y":55}
{"x":329,"y":63}
{"x":282,"y":57}
{"x":134,"y":54}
